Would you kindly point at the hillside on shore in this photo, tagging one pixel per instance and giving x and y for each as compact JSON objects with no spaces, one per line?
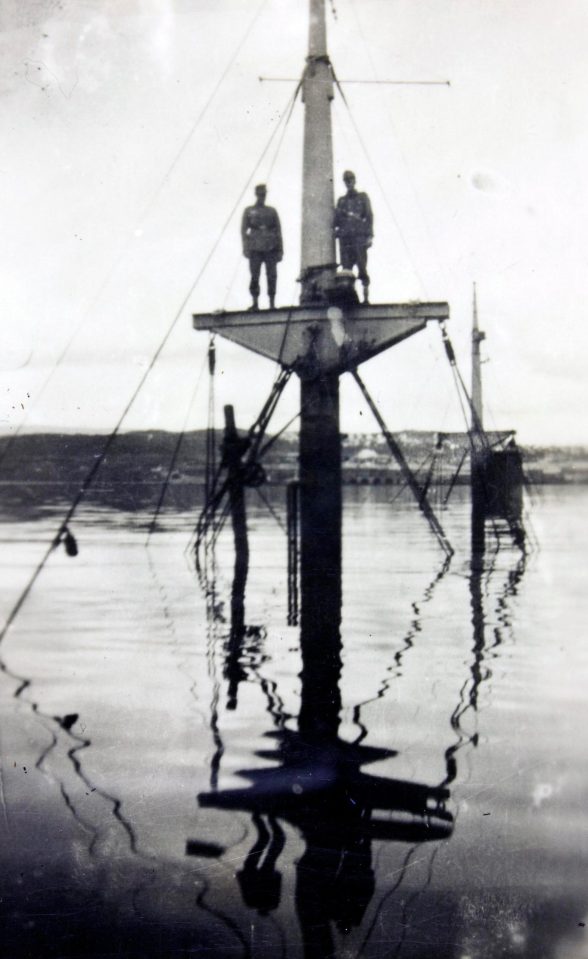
{"x":45,"y":467}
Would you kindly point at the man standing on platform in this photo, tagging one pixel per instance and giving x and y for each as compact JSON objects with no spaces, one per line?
{"x":262,"y":243}
{"x":354,"y":228}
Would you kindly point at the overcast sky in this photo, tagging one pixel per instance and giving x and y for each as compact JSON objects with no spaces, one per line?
{"x":130,"y":129}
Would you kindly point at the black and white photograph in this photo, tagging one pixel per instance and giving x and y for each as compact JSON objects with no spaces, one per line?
{"x":293,"y":479}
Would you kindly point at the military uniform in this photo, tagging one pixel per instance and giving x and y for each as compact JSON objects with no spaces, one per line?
{"x":354,"y":227}
{"x":262,"y":243}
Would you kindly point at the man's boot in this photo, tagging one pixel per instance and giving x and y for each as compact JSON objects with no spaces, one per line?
{"x":366,"y":292}
{"x":255,"y":305}
{"x":272,"y":300}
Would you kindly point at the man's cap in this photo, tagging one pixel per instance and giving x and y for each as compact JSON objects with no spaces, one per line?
{"x":261,"y":188}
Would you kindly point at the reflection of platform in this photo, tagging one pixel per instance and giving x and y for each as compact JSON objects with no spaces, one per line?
{"x":322,"y":339}
{"x":321,"y":786}
{"x":388,"y":809}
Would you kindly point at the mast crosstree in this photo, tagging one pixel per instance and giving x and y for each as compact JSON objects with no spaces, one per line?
{"x":327,"y":334}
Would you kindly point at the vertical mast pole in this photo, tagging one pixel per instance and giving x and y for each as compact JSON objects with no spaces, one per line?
{"x":478,"y":457}
{"x":477,"y":337}
{"x":318,"y":243}
{"x":320,"y":439}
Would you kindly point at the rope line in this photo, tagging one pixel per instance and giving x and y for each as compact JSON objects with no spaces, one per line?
{"x":283,"y":133}
{"x":477,"y":435}
{"x":119,"y":259}
{"x":206,"y":106}
{"x":110,"y":440}
{"x":287,"y":115}
{"x":475,"y":420}
{"x":237,"y":203}
{"x":277,"y":435}
{"x":418,"y":492}
{"x":381,"y":187}
{"x":271,"y":509}
{"x":250,"y":466}
{"x":377,"y":81}
{"x":175,"y":454}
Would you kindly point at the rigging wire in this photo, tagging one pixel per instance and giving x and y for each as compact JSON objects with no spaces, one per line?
{"x":376,"y":80}
{"x":283,"y":133}
{"x":214,"y":494}
{"x":211,"y":466}
{"x":287,"y":107}
{"x":211,"y":424}
{"x":476,"y":433}
{"x":476,"y":427}
{"x":233,"y":280}
{"x":284,"y":116}
{"x":88,"y":480}
{"x":427,"y":379}
{"x":271,"y":509}
{"x":376,"y":176}
{"x":207,"y":105}
{"x":251,"y":466}
{"x":174,"y":457}
{"x":414,"y":486}
{"x":455,"y":476}
{"x":120,"y":258}
{"x":404,"y":485}
{"x":464,"y":396}
{"x":277,"y":435}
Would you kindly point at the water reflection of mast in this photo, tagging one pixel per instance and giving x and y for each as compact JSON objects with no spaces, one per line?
{"x":480,"y":672}
{"x":316,"y":784}
{"x":393,"y":671}
{"x":319,"y":788}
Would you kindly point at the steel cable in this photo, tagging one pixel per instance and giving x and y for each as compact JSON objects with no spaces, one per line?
{"x":119,"y":259}
{"x":87,"y":482}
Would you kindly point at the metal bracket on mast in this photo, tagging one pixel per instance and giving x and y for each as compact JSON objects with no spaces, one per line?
{"x":323,"y":339}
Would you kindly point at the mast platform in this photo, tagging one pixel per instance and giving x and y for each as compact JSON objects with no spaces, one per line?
{"x":317,"y":340}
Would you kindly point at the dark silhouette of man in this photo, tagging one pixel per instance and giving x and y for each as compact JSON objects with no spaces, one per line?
{"x":262,"y":243}
{"x":354,"y":228}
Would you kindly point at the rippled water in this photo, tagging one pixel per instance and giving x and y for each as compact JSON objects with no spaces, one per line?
{"x":444,"y":816}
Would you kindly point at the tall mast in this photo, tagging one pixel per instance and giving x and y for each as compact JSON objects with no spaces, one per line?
{"x":320,"y":440}
{"x":477,"y":336}
{"x":328,"y":334}
{"x":479,"y":486}
{"x":318,"y":242}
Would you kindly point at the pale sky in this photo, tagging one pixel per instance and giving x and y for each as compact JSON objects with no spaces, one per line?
{"x":110,"y":205}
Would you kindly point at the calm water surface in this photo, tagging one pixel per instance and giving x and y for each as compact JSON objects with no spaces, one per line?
{"x":444,"y":815}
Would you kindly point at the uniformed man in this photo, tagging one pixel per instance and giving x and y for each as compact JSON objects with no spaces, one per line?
{"x":354,"y":228}
{"x":262,"y":243}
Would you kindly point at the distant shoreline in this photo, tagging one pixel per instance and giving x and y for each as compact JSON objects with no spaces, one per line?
{"x":145,"y":457}
{"x":52,"y":464}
